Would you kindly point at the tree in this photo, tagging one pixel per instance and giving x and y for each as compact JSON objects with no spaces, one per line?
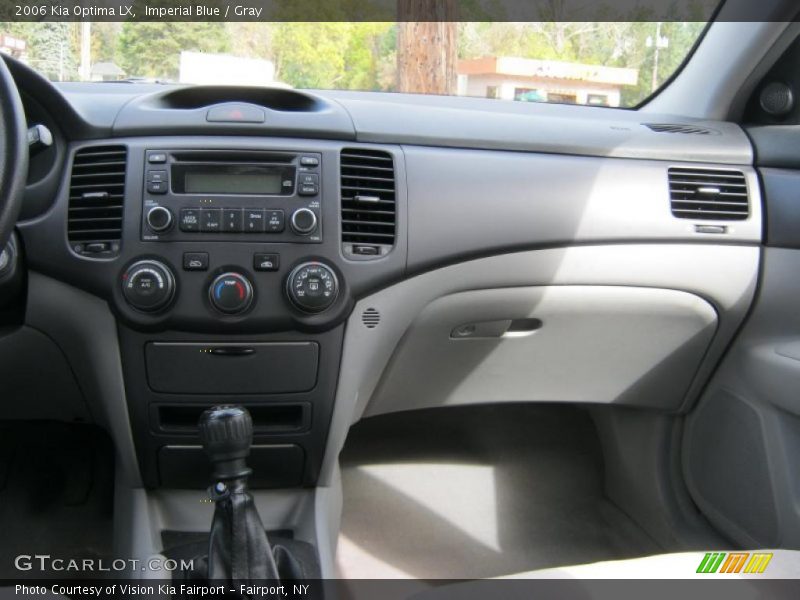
{"x":153,"y":49}
{"x":419,"y":69}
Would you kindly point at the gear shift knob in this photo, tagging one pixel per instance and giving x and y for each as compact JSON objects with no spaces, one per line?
{"x":227,"y":433}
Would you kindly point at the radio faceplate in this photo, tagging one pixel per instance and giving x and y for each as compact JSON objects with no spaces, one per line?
{"x":231,"y":195}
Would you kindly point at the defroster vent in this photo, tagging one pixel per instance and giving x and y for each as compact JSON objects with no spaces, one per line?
{"x":369,"y":213}
{"x":96,"y":195}
{"x":708,"y":194}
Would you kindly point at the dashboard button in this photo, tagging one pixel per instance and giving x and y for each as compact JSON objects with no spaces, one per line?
{"x":157,"y":176}
{"x":308,"y":190}
{"x":274,"y":221}
{"x":312,"y":287}
{"x":156,"y":157}
{"x":309,"y":161}
{"x":253,"y":220}
{"x":210,"y":219}
{"x":266,"y":262}
{"x":309,"y":179}
{"x":195,"y":261}
{"x":148,"y":285}
{"x":190,"y":219}
{"x":157,"y":187}
{"x":232,"y":219}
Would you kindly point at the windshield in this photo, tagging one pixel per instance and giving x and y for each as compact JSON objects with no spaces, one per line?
{"x":593,"y":63}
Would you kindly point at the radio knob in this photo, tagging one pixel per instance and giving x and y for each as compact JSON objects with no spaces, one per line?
{"x":312,"y":287}
{"x":303,"y":221}
{"x":231,"y":293}
{"x":159,"y":219}
{"x":148,"y":285}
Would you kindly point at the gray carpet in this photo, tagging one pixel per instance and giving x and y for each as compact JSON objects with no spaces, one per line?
{"x":478,"y":492}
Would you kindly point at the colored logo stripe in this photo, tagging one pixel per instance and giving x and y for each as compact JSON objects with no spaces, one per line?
{"x":758,"y":563}
{"x":712,"y":561}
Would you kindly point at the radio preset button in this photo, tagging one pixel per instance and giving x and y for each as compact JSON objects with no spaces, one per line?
{"x":274,"y":221}
{"x":190,"y":219}
{"x":232,"y":219}
{"x":253,"y":220}
{"x":210,"y":219}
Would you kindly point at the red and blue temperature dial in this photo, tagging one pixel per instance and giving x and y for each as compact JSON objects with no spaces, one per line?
{"x":231,"y":293}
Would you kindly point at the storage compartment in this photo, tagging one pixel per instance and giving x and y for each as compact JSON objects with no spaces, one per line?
{"x":274,"y":466}
{"x":260,"y":368}
{"x":267,"y":418}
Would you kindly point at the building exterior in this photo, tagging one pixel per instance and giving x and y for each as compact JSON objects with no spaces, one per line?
{"x":13,"y":46}
{"x":531,"y":80}
{"x":106,"y":71}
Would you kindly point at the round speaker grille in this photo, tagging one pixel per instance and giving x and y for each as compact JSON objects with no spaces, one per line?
{"x":777,"y":99}
{"x":371,"y":318}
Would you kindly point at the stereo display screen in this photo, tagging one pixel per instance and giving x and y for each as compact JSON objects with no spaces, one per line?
{"x":213,"y":179}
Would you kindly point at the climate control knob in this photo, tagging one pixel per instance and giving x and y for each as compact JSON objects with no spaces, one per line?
{"x":303,"y":221}
{"x":231,"y":293}
{"x":148,"y":285}
{"x":312,"y":287}
{"x":159,"y":219}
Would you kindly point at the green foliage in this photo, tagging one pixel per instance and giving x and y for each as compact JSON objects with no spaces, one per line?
{"x":362,"y":55}
{"x":153,"y":49}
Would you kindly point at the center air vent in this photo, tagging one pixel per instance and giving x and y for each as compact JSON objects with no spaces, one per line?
{"x":368,"y":202}
{"x":708,"y":194}
{"x":680,"y":128}
{"x":96,"y":194}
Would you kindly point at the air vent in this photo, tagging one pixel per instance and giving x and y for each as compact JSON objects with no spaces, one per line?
{"x":708,"y":194}
{"x":680,"y":128}
{"x":368,"y":202}
{"x":96,"y":193}
{"x":371,"y":318}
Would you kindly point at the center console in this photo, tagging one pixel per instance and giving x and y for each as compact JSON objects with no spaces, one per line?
{"x":231,"y":265}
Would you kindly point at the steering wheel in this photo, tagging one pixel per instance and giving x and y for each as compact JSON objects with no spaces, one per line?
{"x":13,"y":153}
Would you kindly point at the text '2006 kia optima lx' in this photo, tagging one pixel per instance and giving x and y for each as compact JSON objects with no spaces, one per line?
{"x":417,"y":293}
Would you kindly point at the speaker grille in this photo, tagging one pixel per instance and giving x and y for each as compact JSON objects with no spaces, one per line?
{"x":371,"y":318}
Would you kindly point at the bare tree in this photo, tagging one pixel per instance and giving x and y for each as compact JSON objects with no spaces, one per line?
{"x":427,"y":46}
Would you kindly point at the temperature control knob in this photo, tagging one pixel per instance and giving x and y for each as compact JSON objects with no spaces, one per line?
{"x":303,"y":221}
{"x":159,"y":219}
{"x":312,"y":287}
{"x":148,"y":285}
{"x":231,"y":293}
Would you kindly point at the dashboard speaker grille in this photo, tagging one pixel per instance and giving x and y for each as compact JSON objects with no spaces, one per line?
{"x":368,"y":202}
{"x":708,"y":194}
{"x":371,"y":318}
{"x":96,"y":195}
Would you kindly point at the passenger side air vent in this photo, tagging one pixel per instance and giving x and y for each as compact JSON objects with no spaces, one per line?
{"x":680,"y":128}
{"x":708,"y":194}
{"x":368,"y":202}
{"x":96,"y":194}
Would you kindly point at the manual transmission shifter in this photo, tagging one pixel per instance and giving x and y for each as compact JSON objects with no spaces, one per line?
{"x":238,"y":549}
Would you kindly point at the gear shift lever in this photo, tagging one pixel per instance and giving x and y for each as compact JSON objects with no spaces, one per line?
{"x":238,"y":548}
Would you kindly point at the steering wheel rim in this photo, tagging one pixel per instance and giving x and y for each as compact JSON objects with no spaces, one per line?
{"x":13,"y":153}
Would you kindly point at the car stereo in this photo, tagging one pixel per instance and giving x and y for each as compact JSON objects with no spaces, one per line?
{"x":222,"y":195}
